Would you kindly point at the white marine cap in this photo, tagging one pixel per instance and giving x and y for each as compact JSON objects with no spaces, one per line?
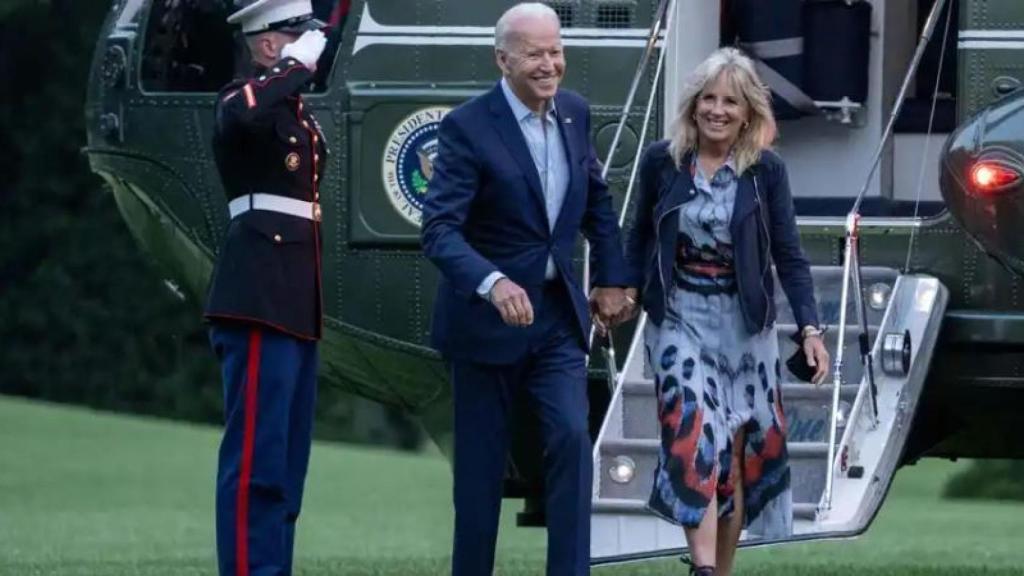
{"x":280,"y":15}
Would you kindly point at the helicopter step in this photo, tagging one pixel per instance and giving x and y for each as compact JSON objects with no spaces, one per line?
{"x":806,"y":460}
{"x":898,"y":309}
{"x":627,"y":507}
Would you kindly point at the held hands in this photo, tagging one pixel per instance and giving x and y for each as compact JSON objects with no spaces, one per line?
{"x":817,"y":356}
{"x":611,"y":307}
{"x":512,"y":303}
{"x":306,"y":49}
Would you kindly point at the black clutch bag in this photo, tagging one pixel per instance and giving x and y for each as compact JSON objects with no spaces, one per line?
{"x":797,"y":363}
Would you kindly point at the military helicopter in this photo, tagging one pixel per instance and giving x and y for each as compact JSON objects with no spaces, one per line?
{"x":902,"y":125}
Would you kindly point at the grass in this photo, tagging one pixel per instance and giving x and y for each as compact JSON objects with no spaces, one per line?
{"x":83,"y":493}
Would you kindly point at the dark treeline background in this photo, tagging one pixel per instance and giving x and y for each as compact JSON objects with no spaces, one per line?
{"x":85,"y":318}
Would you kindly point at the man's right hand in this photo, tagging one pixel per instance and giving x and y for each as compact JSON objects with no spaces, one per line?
{"x":512,"y":303}
{"x":306,"y":49}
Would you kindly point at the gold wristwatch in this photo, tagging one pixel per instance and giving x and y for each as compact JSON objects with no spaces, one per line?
{"x":809,"y":331}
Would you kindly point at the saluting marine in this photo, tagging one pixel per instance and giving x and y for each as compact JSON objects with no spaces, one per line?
{"x":265,"y":297}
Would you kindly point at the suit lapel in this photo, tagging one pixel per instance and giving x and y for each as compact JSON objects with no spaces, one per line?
{"x":567,"y":128}
{"x":512,"y":136}
{"x":566,"y":122}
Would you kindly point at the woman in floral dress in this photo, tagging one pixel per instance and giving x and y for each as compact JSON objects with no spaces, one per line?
{"x":714,"y":215}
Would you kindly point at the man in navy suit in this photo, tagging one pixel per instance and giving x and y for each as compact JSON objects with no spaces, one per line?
{"x":515,"y":181}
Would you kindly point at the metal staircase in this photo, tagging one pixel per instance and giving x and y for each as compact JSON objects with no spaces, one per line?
{"x":867,"y":450}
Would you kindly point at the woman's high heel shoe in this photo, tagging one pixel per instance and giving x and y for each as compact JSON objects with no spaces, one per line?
{"x":698,"y":570}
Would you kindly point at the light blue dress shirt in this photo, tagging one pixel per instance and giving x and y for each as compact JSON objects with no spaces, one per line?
{"x":545,"y":143}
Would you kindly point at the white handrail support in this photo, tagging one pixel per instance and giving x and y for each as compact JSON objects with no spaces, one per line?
{"x":837,"y":368}
{"x":851,"y":273}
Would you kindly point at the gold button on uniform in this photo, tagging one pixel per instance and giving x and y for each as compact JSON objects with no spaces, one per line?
{"x":316,"y":157}
{"x":277,"y":238}
{"x":316,"y":177}
{"x":293,"y":139}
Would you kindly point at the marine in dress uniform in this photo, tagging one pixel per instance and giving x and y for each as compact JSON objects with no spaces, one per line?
{"x":264,"y":304}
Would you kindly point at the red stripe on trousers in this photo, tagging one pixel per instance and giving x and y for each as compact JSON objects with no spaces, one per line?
{"x":339,"y":12}
{"x":252,"y":379}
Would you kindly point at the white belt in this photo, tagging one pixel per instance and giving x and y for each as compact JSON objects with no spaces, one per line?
{"x":275,"y":203}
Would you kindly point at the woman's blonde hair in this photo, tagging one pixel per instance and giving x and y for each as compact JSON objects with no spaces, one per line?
{"x":756,"y":136}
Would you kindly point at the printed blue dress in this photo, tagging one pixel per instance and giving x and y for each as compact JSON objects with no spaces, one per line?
{"x":713,"y":378}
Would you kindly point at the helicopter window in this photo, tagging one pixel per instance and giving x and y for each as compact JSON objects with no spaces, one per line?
{"x":566,"y":13}
{"x":618,"y":15}
{"x":189,"y":47}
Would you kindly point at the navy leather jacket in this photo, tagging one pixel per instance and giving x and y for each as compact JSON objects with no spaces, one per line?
{"x":763,"y":229}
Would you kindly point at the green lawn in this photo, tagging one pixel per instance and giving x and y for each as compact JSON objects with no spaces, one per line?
{"x":83,"y":493}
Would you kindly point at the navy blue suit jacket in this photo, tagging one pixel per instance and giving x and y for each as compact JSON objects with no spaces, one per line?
{"x":484,"y":212}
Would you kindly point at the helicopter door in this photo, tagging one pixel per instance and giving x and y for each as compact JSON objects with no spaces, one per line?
{"x":149,"y":126}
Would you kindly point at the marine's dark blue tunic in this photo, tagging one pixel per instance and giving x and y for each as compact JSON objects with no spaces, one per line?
{"x":266,"y":141}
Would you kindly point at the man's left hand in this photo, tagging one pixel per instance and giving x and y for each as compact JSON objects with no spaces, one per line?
{"x":610,"y":307}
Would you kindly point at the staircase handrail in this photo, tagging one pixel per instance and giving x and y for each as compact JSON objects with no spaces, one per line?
{"x":665,"y":13}
{"x":852,"y":274}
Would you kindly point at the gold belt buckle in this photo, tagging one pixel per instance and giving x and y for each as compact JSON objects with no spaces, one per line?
{"x":317,"y":214}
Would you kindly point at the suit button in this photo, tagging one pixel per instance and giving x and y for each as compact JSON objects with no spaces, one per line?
{"x":276,"y":70}
{"x":262,"y":78}
{"x":316,"y":157}
{"x":293,"y":139}
{"x":316,"y":177}
{"x":277,"y":238}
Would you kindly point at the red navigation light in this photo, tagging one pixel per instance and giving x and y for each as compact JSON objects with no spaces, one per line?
{"x":988,"y":177}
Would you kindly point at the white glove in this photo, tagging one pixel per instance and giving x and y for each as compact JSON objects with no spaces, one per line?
{"x":306,"y":49}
